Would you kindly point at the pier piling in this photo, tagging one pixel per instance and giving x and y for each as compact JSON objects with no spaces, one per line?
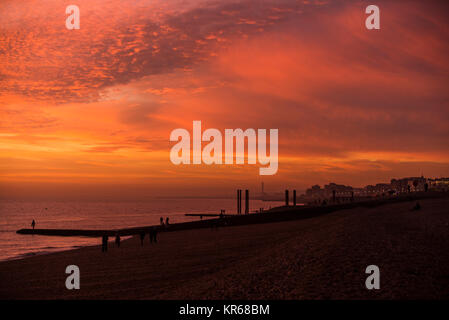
{"x":238,"y":201}
{"x":246,"y":201}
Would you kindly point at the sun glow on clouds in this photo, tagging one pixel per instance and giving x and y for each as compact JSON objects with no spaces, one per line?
{"x":96,"y":106}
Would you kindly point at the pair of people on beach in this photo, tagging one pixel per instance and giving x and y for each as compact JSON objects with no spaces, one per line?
{"x":152,"y":235}
{"x":162,"y":221}
{"x":105,"y":238}
{"x":104,"y":242}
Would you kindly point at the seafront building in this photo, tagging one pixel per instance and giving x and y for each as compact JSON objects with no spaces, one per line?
{"x":396,"y":186}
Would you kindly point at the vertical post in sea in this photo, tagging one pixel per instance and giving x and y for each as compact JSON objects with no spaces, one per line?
{"x":238,"y":201}
{"x":246,"y":201}
{"x":294,"y":198}
{"x":286,"y":198}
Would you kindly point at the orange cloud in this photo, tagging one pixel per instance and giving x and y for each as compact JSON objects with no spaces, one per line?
{"x":95,"y":108}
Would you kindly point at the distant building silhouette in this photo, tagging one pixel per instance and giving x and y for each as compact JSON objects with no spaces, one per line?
{"x":339,"y":193}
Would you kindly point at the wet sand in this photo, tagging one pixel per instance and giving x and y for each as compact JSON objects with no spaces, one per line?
{"x":318,"y":258}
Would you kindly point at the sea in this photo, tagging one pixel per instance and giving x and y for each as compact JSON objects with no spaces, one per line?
{"x":15,"y":215}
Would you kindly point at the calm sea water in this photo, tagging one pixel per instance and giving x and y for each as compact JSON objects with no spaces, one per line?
{"x":15,"y":215}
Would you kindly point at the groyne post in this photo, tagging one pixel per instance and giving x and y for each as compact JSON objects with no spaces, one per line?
{"x":286,"y":197}
{"x":238,"y":201}
{"x":246,"y":201}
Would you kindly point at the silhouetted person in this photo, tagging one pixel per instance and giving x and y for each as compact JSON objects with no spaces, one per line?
{"x":426,"y":187}
{"x":104,"y":243}
{"x":153,"y":235}
{"x":166,"y":221}
{"x":117,"y":240}
{"x":33,"y":224}
{"x":162,"y":221}
{"x":142,"y":237}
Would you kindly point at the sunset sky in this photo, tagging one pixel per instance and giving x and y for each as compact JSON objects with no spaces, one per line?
{"x":88,"y":113}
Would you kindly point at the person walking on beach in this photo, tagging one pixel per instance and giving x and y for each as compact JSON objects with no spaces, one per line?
{"x":162,"y":221}
{"x":142,"y":237}
{"x":153,"y":235}
{"x":104,"y":244}
{"x":33,"y":224}
{"x":117,"y":240}
{"x":166,"y":222}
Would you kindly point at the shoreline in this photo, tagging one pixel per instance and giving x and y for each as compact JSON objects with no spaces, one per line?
{"x":282,"y":214}
{"x":32,"y":254}
{"x":320,"y":258}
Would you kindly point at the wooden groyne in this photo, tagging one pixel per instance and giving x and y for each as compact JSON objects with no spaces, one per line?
{"x":284,"y":213}
{"x":208,"y":215}
{"x":86,"y":233}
